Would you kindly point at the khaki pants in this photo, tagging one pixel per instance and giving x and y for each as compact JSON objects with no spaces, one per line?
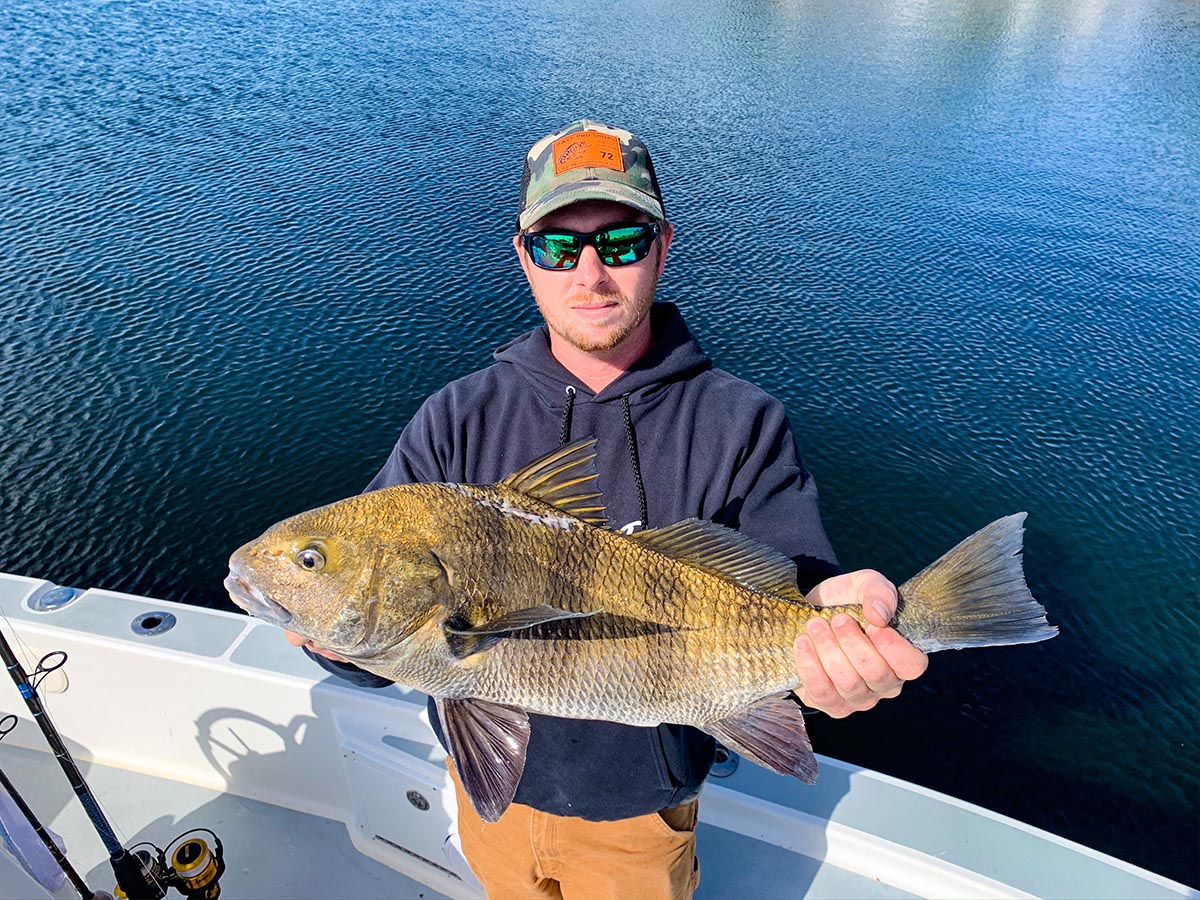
{"x":532,"y":854}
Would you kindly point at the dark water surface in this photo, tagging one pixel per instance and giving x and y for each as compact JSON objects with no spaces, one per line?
{"x":240,"y":242}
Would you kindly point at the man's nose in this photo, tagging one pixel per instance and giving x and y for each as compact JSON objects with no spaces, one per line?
{"x":589,"y":271}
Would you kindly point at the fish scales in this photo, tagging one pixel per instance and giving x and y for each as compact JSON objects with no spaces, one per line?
{"x":670,"y":642}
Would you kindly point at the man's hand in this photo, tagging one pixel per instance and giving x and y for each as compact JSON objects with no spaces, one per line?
{"x":296,"y":641}
{"x":844,"y":669}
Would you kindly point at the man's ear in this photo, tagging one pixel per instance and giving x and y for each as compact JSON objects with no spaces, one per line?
{"x":522,"y":256}
{"x":664,"y":241}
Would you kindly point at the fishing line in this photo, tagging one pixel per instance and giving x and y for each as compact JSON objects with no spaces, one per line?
{"x":26,"y":651}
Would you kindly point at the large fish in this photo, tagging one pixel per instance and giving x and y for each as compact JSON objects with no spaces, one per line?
{"x":511,"y":598}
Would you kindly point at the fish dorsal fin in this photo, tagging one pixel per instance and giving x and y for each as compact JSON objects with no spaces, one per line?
{"x":727,"y":553}
{"x":565,"y":478}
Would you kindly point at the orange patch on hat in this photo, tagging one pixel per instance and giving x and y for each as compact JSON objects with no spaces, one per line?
{"x":587,"y":148}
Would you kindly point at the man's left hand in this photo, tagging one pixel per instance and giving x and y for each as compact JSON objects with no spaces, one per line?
{"x":843,"y":668}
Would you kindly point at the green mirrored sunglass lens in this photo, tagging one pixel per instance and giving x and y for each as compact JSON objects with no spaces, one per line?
{"x":555,"y":251}
{"x":621,"y":246}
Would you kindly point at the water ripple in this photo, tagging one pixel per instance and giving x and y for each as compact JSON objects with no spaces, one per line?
{"x":241,"y":242}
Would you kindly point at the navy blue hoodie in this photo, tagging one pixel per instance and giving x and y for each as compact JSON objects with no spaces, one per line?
{"x":676,"y":438}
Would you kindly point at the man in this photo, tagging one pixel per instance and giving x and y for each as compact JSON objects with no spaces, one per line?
{"x":606,"y":810}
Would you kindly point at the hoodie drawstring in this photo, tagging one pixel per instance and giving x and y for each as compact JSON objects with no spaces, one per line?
{"x":564,"y":436}
{"x":564,"y":433}
{"x":633,"y":459}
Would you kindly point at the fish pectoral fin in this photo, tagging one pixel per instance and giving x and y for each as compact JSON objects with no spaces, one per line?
{"x":565,"y":478}
{"x":771,"y":733}
{"x":466,"y":639}
{"x":487,"y":742}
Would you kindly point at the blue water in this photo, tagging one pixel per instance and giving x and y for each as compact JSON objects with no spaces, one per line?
{"x":241,"y":241}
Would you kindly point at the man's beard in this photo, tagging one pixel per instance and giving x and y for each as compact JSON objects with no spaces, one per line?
{"x":587,"y":343}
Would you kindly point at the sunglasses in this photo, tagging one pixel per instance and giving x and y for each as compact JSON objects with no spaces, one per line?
{"x":616,"y":245}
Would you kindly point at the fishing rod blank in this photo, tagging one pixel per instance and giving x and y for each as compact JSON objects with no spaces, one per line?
{"x":63,"y":863}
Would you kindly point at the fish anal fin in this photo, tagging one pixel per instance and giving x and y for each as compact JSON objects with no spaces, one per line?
{"x":465,"y":639}
{"x":771,"y":733}
{"x":487,"y":742}
{"x":727,"y":553}
{"x":566,"y":478}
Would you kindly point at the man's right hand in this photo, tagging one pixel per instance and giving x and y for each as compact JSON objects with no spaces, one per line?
{"x":296,"y":641}
{"x":843,"y":668}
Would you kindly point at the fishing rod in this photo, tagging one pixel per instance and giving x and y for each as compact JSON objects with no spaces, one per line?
{"x":6,"y":725}
{"x":140,"y":874}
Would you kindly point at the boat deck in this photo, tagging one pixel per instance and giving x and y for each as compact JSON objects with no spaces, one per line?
{"x":270,"y":851}
{"x":273,"y":852}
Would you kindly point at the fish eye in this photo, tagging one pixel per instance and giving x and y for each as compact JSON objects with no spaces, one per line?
{"x":310,"y":559}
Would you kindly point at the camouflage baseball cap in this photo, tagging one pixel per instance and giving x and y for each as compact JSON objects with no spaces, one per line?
{"x":587,"y":161}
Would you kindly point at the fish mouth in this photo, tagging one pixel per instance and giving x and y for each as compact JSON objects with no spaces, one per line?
{"x":254,"y":601}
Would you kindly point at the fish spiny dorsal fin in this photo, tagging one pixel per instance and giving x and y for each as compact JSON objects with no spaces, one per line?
{"x":565,"y":478}
{"x":727,"y":553}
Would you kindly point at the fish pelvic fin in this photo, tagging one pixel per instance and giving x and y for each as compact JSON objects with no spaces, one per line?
{"x":487,"y":742}
{"x":465,"y":639}
{"x":974,"y":596}
{"x":567,"y":479}
{"x":726,"y":553}
{"x":770,"y":732}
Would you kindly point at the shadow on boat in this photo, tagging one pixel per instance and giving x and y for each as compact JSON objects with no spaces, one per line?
{"x":751,"y":838}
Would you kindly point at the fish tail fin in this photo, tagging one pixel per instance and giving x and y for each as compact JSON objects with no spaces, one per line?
{"x":974,"y":596}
